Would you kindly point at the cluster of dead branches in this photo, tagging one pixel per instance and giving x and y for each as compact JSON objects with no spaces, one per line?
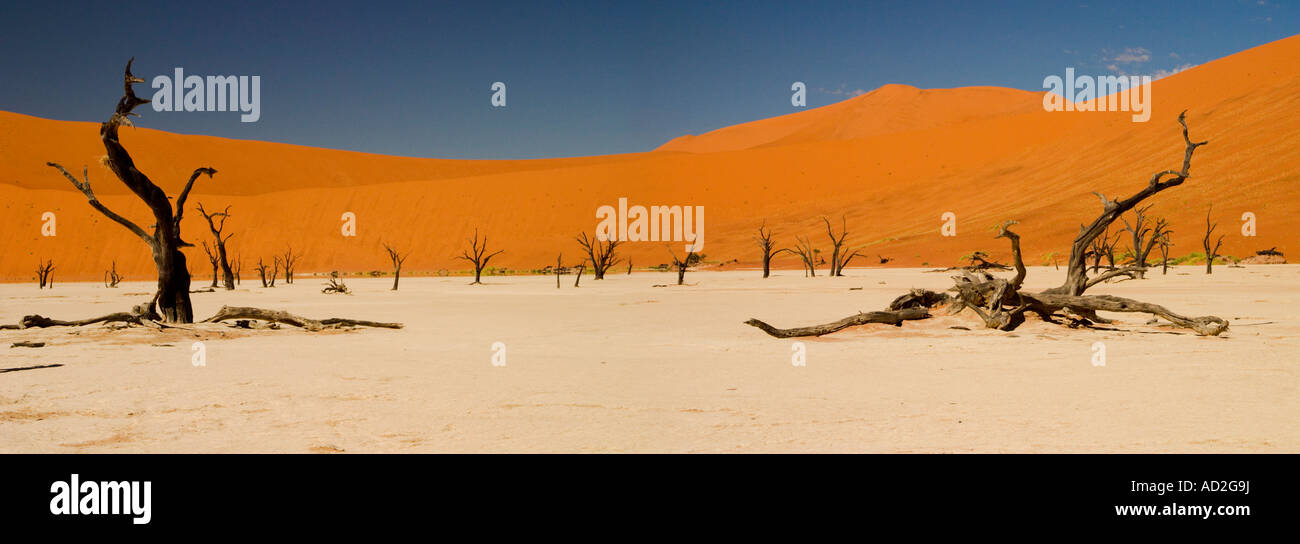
{"x":477,"y":254}
{"x":111,"y":277}
{"x":336,"y":285}
{"x":601,"y":255}
{"x":217,"y":253}
{"x":840,"y":255}
{"x":1002,"y":304}
{"x":262,"y":270}
{"x":808,"y":255}
{"x":45,"y":274}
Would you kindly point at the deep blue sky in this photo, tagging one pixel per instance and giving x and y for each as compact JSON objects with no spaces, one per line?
{"x":584,"y":78}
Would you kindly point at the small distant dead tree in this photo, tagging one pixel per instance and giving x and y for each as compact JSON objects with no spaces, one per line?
{"x":44,"y":274}
{"x":1211,"y":250}
{"x":1103,"y":247}
{"x":288,"y":260}
{"x":236,"y":267}
{"x":397,"y":259}
{"x":840,"y":256}
{"x":883,"y":259}
{"x":336,"y":285}
{"x":582,"y":267}
{"x":261,"y":273}
{"x":217,"y":224}
{"x":765,"y":244}
{"x":213,"y":260}
{"x":477,"y":255}
{"x":275,"y":268}
{"x":682,"y":264}
{"x":111,"y":277}
{"x":1145,"y":237}
{"x":803,"y":248}
{"x":558,"y":259}
{"x":629,"y":267}
{"x":602,"y":255}
{"x":1164,"y":241}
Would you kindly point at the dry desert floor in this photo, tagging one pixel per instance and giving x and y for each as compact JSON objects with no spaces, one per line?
{"x":623,"y":366}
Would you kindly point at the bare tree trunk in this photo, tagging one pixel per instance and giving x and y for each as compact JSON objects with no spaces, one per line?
{"x":227,"y":275}
{"x":764,"y":240}
{"x":289,"y":259}
{"x":840,"y":256}
{"x":682,"y":264}
{"x":398,"y":259}
{"x":478,"y":255}
{"x":1211,"y":250}
{"x":173,"y":296}
{"x":45,"y":274}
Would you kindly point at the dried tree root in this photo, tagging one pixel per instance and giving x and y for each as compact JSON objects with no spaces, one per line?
{"x":895,"y":318}
{"x":279,"y":316}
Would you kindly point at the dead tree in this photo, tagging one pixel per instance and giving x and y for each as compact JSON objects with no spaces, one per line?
{"x":1211,"y":251}
{"x":237,"y":267}
{"x":558,"y":259}
{"x":275,"y":268}
{"x":173,"y":296}
{"x":336,"y":285}
{"x":111,"y":277}
{"x":397,"y":259}
{"x":582,"y":267}
{"x":212,"y":259}
{"x":807,"y":254}
{"x":1164,"y":241}
{"x":261,"y":272}
{"x":288,"y":260}
{"x":1001,"y":303}
{"x":1144,"y":238}
{"x":683,"y":264}
{"x":840,"y":256}
{"x":477,"y":255}
{"x":44,"y":274}
{"x":602,"y":255}
{"x":1103,"y":247}
{"x":216,"y":227}
{"x":765,"y":244}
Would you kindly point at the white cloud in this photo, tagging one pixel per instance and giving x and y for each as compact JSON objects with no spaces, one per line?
{"x":1132,"y":55}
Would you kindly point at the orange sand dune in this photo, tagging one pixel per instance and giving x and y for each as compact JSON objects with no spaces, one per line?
{"x":889,"y":109}
{"x":892,"y":162}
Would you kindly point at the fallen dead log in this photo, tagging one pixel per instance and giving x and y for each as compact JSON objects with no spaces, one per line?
{"x":138,"y":315}
{"x":1204,"y":326}
{"x":280,"y":316}
{"x":887,"y":317}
